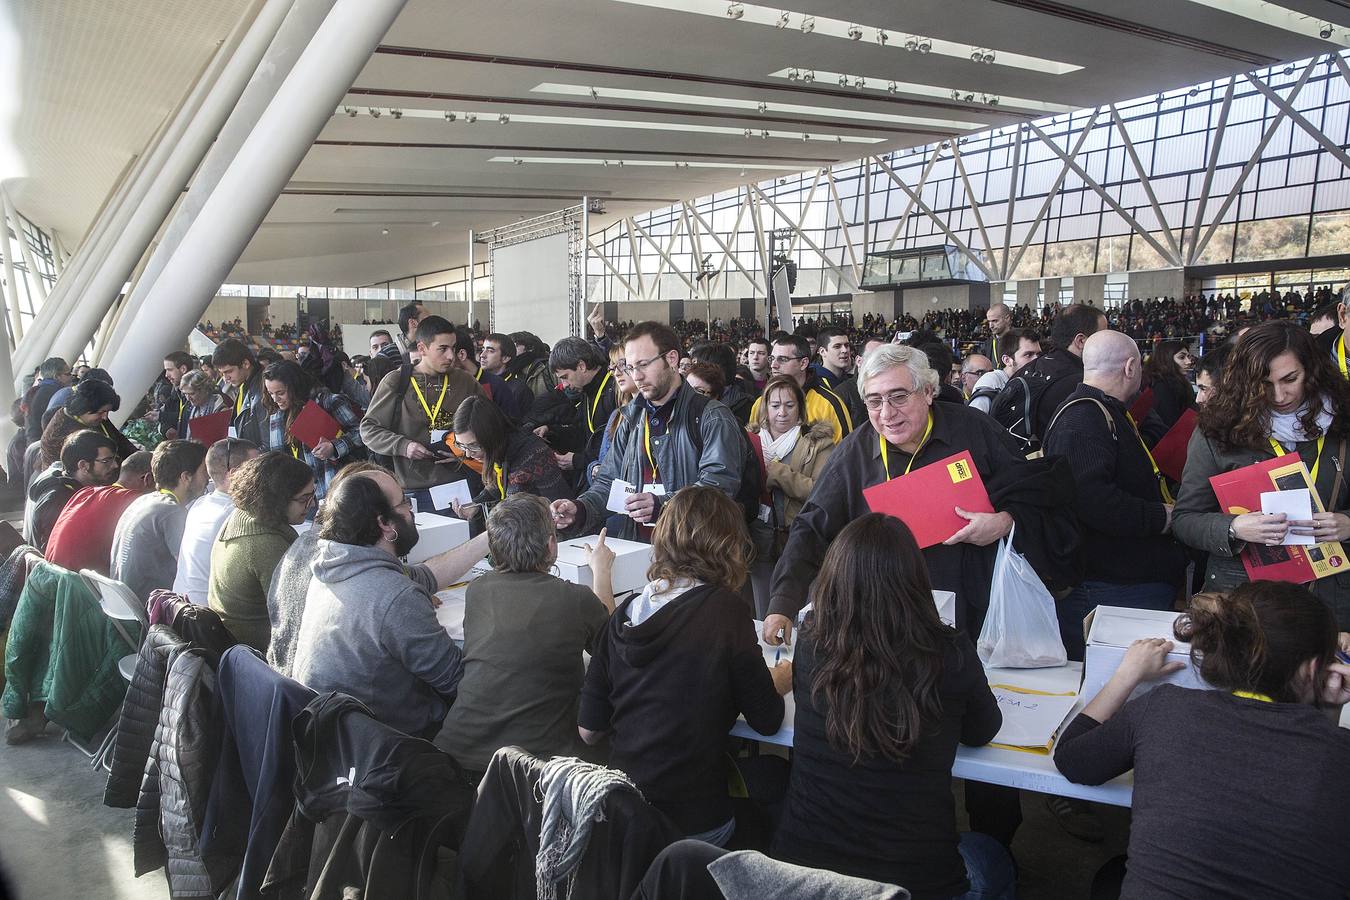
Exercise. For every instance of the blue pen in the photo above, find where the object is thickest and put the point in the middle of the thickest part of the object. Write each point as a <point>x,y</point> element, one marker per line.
<point>1343,657</point>
<point>777,653</point>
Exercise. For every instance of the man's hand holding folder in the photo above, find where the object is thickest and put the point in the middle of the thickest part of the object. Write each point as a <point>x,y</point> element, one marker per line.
<point>943,502</point>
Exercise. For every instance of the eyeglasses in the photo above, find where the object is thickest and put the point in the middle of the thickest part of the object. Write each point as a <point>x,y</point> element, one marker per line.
<point>895,400</point>
<point>304,499</point>
<point>975,373</point>
<point>639,365</point>
<point>784,359</point>
<point>702,390</point>
<point>469,447</point>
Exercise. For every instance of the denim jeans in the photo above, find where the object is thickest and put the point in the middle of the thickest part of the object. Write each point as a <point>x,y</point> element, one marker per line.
<point>989,866</point>
<point>1091,594</point>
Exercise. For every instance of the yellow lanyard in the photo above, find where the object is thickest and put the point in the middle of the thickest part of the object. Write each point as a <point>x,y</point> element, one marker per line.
<point>431,413</point>
<point>170,494</point>
<point>1340,355</point>
<point>1280,451</point>
<point>478,376</point>
<point>1157,473</point>
<point>1252,695</point>
<point>647,442</point>
<point>590,410</point>
<point>500,474</point>
<point>885,455</point>
<point>295,451</point>
<point>239,399</point>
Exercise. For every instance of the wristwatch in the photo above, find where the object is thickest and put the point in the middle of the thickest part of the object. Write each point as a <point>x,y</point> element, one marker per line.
<point>1232,534</point>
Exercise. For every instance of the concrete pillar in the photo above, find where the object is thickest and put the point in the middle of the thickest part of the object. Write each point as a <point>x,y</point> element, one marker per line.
<point>271,65</point>
<point>265,162</point>
<point>182,157</point>
<point>11,283</point>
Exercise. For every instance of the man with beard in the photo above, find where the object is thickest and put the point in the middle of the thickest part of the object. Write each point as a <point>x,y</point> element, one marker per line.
<point>369,630</point>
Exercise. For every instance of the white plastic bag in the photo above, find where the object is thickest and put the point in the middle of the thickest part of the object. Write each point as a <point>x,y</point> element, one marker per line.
<point>1021,630</point>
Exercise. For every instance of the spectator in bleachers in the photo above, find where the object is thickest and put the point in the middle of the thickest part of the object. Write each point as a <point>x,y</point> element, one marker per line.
<point>369,630</point>
<point>87,407</point>
<point>52,375</point>
<point>150,531</point>
<point>203,398</point>
<point>524,634</point>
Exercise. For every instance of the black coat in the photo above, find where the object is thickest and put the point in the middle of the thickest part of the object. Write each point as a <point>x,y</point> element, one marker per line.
<point>1040,495</point>
<point>372,806</point>
<point>140,716</point>
<point>498,852</point>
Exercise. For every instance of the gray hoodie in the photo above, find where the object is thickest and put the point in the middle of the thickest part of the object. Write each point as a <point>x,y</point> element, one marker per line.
<point>370,631</point>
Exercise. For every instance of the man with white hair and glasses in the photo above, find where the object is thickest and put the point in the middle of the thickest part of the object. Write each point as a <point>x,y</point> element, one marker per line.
<point>905,431</point>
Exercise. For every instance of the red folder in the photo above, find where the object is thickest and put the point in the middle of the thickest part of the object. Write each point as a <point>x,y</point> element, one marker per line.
<point>210,428</point>
<point>1142,404</point>
<point>314,425</point>
<point>1239,491</point>
<point>926,499</point>
<point>1170,453</point>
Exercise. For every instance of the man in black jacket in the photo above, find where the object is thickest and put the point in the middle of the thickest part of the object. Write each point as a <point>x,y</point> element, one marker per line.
<point>1062,364</point>
<point>240,369</point>
<point>582,369</point>
<point>53,374</point>
<point>1122,502</point>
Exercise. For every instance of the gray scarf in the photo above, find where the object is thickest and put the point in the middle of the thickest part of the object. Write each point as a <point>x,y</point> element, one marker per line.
<point>574,792</point>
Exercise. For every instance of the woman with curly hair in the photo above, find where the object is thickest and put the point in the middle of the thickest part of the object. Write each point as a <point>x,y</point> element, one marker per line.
<point>271,493</point>
<point>678,663</point>
<point>885,692</point>
<point>1277,395</point>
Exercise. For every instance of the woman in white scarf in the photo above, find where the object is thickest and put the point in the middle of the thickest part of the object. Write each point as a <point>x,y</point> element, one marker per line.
<point>1278,395</point>
<point>793,452</point>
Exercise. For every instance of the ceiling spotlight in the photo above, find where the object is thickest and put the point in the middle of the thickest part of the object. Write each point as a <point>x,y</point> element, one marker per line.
<point>793,74</point>
<point>843,81</point>
<point>882,36</point>
<point>925,45</point>
<point>503,119</point>
<point>384,231</point>
<point>1195,92</point>
<point>518,161</point>
<point>620,164</point>
<point>747,133</point>
<point>891,87</point>
<point>764,135</point>
<point>956,95</point>
<point>809,75</point>
<point>977,55</point>
<point>990,100</point>
<point>449,116</point>
<point>350,111</point>
<point>854,33</point>
<point>595,94</point>
<point>969,98</point>
<point>805,136</point>
<point>763,107</point>
<point>911,43</point>
<point>471,117</point>
<point>860,82</point>
<point>808,26</point>
<point>1325,32</point>
<point>782,20</point>
<point>1289,70</point>
<point>375,112</point>
<point>604,162</point>
<point>988,57</point>
<point>735,10</point>
<point>396,112</point>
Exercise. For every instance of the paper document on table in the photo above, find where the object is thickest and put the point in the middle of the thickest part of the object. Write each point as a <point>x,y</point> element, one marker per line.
<point>1296,505</point>
<point>442,494</point>
<point>1030,718</point>
<point>618,493</point>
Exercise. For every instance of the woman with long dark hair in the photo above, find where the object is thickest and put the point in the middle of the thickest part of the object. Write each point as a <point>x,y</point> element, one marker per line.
<point>1235,789</point>
<point>885,692</point>
<point>288,388</point>
<point>514,461</point>
<point>1277,395</point>
<point>1167,375</point>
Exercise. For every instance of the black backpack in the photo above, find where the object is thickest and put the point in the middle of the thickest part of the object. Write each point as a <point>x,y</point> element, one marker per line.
<point>1015,407</point>
<point>752,478</point>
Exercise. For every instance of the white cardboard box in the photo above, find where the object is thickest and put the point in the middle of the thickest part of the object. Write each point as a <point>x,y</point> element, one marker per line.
<point>1111,629</point>
<point>630,563</point>
<point>436,534</point>
<point>631,560</point>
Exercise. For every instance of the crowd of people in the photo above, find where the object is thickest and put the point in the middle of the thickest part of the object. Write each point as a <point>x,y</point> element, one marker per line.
<point>747,463</point>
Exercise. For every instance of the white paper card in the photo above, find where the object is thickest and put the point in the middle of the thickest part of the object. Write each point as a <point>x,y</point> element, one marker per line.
<point>438,435</point>
<point>1029,720</point>
<point>619,490</point>
<point>442,494</point>
<point>656,490</point>
<point>231,432</point>
<point>1296,504</point>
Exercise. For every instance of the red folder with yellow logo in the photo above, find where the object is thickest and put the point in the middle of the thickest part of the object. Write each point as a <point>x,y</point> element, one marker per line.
<point>926,499</point>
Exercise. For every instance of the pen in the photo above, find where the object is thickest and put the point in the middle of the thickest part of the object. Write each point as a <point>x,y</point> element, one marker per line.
<point>777,653</point>
<point>1343,657</point>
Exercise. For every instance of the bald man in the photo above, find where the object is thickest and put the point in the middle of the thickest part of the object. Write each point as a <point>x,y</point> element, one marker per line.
<point>999,319</point>
<point>1123,503</point>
